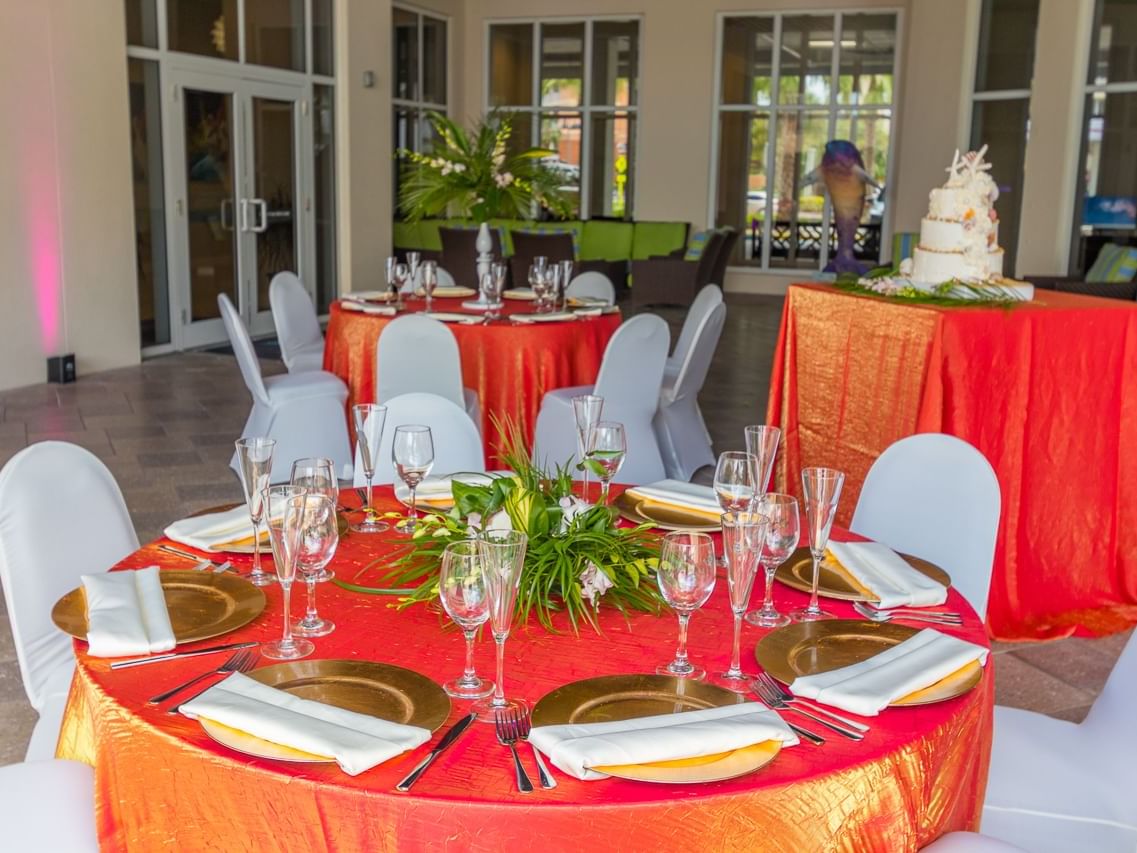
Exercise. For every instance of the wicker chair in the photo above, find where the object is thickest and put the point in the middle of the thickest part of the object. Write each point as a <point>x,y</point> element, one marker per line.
<point>460,254</point>
<point>718,272</point>
<point>672,279</point>
<point>527,245</point>
<point>1126,290</point>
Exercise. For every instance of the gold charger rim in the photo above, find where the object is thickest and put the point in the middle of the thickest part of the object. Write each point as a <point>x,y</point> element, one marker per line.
<point>732,765</point>
<point>785,574</point>
<point>629,507</point>
<point>559,705</point>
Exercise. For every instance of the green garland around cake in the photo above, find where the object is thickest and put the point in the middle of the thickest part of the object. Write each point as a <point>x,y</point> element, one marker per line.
<point>887,283</point>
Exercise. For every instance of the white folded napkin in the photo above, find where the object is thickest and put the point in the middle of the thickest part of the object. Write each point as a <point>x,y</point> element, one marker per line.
<point>554,317</point>
<point>867,687</point>
<point>365,308</point>
<point>370,295</point>
<point>212,531</point>
<point>575,748</point>
<point>523,293</point>
<point>676,493</point>
<point>357,742</point>
<point>126,614</point>
<point>889,576</point>
<point>447,317</point>
<point>596,311</point>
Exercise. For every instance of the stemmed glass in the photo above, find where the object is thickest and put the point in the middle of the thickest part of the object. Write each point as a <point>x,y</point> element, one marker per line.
<point>491,292</point>
<point>254,456</point>
<point>318,541</point>
<point>389,268</point>
<point>742,536</point>
<point>400,274</point>
<point>607,447</point>
<point>502,556</point>
<point>414,260</point>
<point>369,419</point>
<point>762,444</point>
<point>317,476</point>
<point>686,577</point>
<point>586,409</point>
<point>285,506</point>
<point>462,589</point>
<point>821,490</point>
<point>554,273</point>
<point>500,272</point>
<point>566,277</point>
<point>412,451</point>
<point>734,483</point>
<point>540,263</point>
<point>782,532</point>
<point>429,281</point>
<point>541,282</point>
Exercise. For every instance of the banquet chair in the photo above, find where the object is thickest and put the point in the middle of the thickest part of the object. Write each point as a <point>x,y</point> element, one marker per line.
<point>592,285</point>
<point>1058,786</point>
<point>418,353</point>
<point>297,326</point>
<point>705,302</point>
<point>48,806</point>
<point>40,485</point>
<point>678,424</point>
<point>936,497</point>
<point>969,842</point>
<point>630,379</point>
<point>304,412</point>
<point>457,443</point>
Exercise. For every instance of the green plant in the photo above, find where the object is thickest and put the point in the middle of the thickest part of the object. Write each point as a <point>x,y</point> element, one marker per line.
<point>886,283</point>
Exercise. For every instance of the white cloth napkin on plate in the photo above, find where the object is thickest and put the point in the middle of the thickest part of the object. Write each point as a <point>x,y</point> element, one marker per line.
<point>126,614</point>
<point>366,308</point>
<point>370,295</point>
<point>575,748</point>
<point>677,493</point>
<point>867,687</point>
<point>888,575</point>
<point>448,317</point>
<point>555,317</point>
<point>357,742</point>
<point>209,532</point>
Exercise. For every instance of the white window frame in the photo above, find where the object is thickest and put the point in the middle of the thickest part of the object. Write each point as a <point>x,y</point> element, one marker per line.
<point>420,105</point>
<point>586,110</point>
<point>833,109</point>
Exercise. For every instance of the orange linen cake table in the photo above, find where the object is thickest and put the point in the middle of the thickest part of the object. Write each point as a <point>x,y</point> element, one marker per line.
<point>161,783</point>
<point>1047,390</point>
<point>511,366</point>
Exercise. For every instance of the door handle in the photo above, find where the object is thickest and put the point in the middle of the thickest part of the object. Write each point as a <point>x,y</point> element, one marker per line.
<point>226,214</point>
<point>263,205</point>
<point>244,214</point>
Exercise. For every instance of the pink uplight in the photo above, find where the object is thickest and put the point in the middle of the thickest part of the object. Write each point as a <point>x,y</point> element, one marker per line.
<point>44,244</point>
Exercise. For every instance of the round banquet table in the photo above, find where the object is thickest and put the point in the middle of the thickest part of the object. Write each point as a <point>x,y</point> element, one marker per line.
<point>162,783</point>
<point>510,365</point>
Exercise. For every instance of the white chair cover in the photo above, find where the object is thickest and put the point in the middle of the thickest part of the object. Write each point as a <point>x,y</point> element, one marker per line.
<point>937,497</point>
<point>630,379</point>
<point>592,284</point>
<point>297,326</point>
<point>61,516</point>
<point>679,425</point>
<point>304,412</point>
<point>969,842</point>
<point>48,806</point>
<point>444,279</point>
<point>417,353</point>
<point>457,443</point>
<point>705,301</point>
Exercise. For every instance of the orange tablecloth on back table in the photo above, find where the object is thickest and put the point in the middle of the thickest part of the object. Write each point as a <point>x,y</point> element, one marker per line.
<point>161,783</point>
<point>1046,390</point>
<point>511,366</point>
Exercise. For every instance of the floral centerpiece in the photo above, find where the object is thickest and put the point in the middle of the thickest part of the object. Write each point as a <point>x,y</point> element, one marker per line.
<point>889,283</point>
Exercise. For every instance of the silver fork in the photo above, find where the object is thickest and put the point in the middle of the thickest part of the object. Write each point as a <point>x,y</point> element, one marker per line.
<point>507,736</point>
<point>523,723</point>
<point>885,616</point>
<point>202,562</point>
<point>775,701</point>
<point>768,680</point>
<point>231,665</point>
<point>243,666</point>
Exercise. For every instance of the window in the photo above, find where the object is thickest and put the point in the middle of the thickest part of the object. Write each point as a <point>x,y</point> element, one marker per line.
<point>418,78</point>
<point>1000,105</point>
<point>572,85</point>
<point>787,85</point>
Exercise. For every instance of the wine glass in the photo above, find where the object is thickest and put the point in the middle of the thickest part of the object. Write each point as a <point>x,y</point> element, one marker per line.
<point>743,534</point>
<point>586,409</point>
<point>462,589</point>
<point>566,277</point>
<point>400,275</point>
<point>319,538</point>
<point>686,577</point>
<point>821,490</point>
<point>607,447</point>
<point>429,281</point>
<point>254,456</point>
<point>412,451</point>
<point>414,260</point>
<point>783,530</point>
<point>734,481</point>
<point>369,419</point>
<point>541,282</point>
<point>502,557</point>
<point>317,475</point>
<point>541,263</point>
<point>285,507</point>
<point>554,273</point>
<point>491,292</point>
<point>389,269</point>
<point>500,272</point>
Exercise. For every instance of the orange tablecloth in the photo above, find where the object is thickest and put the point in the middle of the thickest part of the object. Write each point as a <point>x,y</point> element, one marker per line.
<point>510,366</point>
<point>162,784</point>
<point>1046,390</point>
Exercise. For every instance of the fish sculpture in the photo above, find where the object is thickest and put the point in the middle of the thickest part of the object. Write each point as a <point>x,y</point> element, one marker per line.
<point>842,173</point>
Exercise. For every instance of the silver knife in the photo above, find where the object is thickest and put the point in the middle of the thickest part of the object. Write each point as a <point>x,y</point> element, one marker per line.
<point>123,664</point>
<point>447,739</point>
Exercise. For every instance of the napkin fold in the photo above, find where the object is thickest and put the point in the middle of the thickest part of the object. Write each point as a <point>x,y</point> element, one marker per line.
<point>523,293</point>
<point>449,317</point>
<point>126,614</point>
<point>357,742</point>
<point>867,687</point>
<point>679,495</point>
<point>554,317</point>
<point>215,531</point>
<point>887,575</point>
<point>365,308</point>
<point>576,748</point>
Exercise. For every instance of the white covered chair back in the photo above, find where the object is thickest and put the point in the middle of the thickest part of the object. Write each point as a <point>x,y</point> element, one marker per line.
<point>242,345</point>
<point>48,806</point>
<point>935,496</point>
<point>417,353</point>
<point>594,285</point>
<point>457,443</point>
<point>297,325</point>
<point>1112,711</point>
<point>705,301</point>
<point>693,371</point>
<point>444,279</point>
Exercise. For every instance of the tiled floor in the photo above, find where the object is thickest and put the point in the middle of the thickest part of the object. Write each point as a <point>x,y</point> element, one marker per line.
<point>166,427</point>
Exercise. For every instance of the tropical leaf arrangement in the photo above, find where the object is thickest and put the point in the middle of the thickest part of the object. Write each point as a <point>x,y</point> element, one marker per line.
<point>474,173</point>
<point>886,282</point>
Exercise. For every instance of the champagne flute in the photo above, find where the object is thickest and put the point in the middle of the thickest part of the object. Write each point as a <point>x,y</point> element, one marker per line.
<point>742,536</point>
<point>429,281</point>
<point>762,444</point>
<point>317,475</point>
<point>783,530</point>
<point>502,557</point>
<point>607,447</point>
<point>554,273</point>
<point>414,261</point>
<point>462,589</point>
<point>319,538</point>
<point>389,269</point>
<point>369,419</point>
<point>500,272</point>
<point>285,506</point>
<point>566,278</point>
<point>686,578</point>
<point>412,451</point>
<point>821,490</point>
<point>540,262</point>
<point>254,456</point>
<point>586,409</point>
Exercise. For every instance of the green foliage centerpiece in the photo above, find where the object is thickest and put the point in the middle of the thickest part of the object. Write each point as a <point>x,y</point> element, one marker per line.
<point>888,283</point>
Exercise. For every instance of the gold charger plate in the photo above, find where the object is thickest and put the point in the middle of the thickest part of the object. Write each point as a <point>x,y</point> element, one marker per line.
<point>708,768</point>
<point>640,511</point>
<point>797,573</point>
<point>448,293</point>
<point>380,690</point>
<point>806,648</point>
<point>201,605</point>
<point>247,544</point>
<point>519,293</point>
